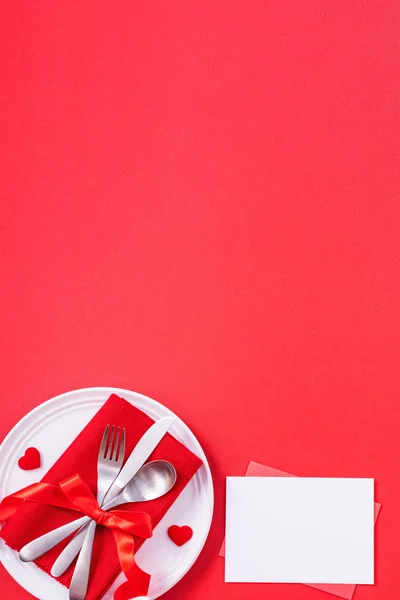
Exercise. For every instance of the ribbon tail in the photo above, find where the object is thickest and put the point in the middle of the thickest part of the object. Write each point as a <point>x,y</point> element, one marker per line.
<point>74,493</point>
<point>9,507</point>
<point>138,580</point>
<point>44,493</point>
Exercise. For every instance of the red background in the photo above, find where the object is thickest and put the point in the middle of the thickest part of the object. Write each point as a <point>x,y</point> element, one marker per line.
<point>201,203</point>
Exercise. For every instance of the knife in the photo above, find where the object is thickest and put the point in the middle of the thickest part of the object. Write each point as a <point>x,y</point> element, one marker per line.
<point>148,442</point>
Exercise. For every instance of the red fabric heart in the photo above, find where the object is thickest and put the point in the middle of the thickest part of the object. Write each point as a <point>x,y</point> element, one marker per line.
<point>180,535</point>
<point>30,460</point>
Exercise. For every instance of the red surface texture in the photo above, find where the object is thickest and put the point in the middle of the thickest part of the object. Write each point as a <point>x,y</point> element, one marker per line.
<point>200,201</point>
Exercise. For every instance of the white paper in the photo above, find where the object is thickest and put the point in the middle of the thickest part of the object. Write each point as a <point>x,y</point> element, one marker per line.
<point>299,530</point>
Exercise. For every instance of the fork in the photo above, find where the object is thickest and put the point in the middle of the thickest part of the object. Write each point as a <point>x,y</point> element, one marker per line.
<point>109,462</point>
<point>80,578</point>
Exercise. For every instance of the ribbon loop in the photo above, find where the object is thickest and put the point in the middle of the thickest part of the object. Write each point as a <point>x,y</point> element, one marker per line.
<point>74,493</point>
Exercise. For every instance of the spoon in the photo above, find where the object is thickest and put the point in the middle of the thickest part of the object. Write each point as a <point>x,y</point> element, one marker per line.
<point>153,480</point>
<point>156,479</point>
<point>152,484</point>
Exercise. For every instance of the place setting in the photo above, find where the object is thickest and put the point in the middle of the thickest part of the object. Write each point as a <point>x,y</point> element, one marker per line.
<point>106,494</point>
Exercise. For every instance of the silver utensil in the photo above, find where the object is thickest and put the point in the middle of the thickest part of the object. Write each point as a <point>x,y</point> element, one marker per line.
<point>152,481</point>
<point>141,452</point>
<point>109,462</point>
<point>148,442</point>
<point>139,455</point>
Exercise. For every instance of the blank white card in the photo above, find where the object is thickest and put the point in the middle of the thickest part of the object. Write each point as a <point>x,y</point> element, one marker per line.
<point>299,530</point>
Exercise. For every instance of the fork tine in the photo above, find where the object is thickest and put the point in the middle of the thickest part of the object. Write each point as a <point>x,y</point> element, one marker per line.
<point>121,453</point>
<point>103,445</point>
<point>107,455</point>
<point>116,445</point>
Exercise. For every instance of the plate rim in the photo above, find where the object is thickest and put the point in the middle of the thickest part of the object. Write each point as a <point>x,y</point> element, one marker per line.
<point>122,391</point>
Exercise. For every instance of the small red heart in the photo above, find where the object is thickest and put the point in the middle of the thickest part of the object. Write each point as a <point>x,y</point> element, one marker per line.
<point>180,535</point>
<point>30,460</point>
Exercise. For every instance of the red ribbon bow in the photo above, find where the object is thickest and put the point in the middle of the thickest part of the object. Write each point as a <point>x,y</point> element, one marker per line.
<point>74,493</point>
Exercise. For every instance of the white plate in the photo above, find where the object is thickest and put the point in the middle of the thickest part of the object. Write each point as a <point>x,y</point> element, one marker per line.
<point>51,427</point>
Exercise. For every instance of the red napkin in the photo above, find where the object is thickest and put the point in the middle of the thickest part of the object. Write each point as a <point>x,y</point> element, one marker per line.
<point>33,519</point>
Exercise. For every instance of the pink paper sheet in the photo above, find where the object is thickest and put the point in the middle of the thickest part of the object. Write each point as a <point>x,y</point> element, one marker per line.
<point>342,590</point>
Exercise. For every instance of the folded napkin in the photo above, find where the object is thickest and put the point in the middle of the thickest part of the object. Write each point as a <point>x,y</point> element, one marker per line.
<point>33,520</point>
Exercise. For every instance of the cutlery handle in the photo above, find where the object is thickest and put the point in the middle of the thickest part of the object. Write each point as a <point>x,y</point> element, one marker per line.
<point>45,542</point>
<point>69,553</point>
<point>80,578</point>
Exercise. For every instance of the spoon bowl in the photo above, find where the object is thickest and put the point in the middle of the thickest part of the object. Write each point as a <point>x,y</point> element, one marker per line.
<point>153,480</point>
